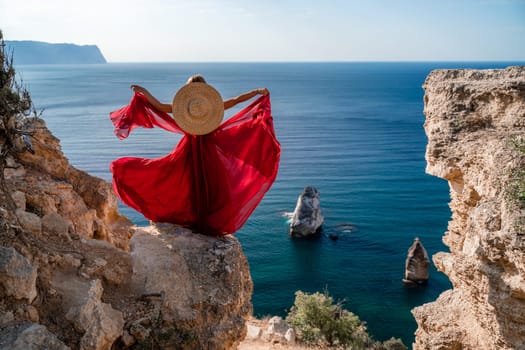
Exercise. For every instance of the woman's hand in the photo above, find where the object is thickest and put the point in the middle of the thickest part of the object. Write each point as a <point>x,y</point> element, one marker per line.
<point>263,91</point>
<point>163,107</point>
<point>139,89</point>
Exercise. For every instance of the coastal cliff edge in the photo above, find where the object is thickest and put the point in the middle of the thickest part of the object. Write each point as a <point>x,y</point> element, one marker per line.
<point>75,274</point>
<point>475,123</point>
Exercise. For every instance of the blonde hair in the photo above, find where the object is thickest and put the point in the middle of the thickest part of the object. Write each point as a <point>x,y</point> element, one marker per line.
<point>196,78</point>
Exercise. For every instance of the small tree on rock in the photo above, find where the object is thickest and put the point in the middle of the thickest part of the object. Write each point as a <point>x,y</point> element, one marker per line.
<point>15,107</point>
<point>321,322</point>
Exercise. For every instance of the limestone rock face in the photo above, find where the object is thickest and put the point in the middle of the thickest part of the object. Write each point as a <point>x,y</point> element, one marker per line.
<point>307,218</point>
<point>475,123</point>
<point>417,263</point>
<point>204,284</point>
<point>44,184</point>
<point>17,275</point>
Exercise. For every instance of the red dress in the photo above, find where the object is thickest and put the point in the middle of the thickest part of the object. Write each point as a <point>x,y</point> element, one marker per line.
<point>209,183</point>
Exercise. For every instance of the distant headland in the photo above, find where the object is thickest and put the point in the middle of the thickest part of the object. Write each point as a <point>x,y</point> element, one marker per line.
<point>38,52</point>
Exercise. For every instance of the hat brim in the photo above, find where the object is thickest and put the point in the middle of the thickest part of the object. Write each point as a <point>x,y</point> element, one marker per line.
<point>198,108</point>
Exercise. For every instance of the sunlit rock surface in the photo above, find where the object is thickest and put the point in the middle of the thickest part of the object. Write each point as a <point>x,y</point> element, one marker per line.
<point>475,123</point>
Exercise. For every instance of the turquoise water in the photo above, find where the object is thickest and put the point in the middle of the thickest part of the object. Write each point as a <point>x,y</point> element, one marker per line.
<point>353,130</point>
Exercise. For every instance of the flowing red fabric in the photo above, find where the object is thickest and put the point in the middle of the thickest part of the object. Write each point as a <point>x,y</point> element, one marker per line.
<point>210,183</point>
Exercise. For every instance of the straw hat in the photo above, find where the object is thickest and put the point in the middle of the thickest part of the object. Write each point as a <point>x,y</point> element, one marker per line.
<point>198,108</point>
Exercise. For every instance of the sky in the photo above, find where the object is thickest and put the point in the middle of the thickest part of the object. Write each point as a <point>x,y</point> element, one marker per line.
<point>276,30</point>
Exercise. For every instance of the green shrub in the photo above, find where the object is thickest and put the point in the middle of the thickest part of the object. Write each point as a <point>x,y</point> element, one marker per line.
<point>320,321</point>
<point>15,102</point>
<point>15,106</point>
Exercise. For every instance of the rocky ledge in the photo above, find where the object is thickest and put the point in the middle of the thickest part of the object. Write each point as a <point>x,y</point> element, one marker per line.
<point>74,274</point>
<point>475,123</point>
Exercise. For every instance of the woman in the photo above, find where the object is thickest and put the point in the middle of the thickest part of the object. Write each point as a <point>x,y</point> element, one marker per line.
<point>210,183</point>
<point>197,78</point>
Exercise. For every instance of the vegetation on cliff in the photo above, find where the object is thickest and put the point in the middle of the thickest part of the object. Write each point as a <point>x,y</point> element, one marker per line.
<point>319,321</point>
<point>15,105</point>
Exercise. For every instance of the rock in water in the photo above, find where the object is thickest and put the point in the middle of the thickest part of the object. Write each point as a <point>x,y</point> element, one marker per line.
<point>307,218</point>
<point>416,264</point>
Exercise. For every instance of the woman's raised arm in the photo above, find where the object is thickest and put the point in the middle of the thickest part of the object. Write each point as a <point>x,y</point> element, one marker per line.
<point>163,107</point>
<point>229,103</point>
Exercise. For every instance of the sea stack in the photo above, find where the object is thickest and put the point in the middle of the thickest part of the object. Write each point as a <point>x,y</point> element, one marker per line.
<point>307,219</point>
<point>416,264</point>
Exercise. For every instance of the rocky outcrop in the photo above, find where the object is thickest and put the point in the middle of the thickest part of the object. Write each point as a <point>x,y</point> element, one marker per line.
<point>307,219</point>
<point>70,277</point>
<point>99,323</point>
<point>203,284</point>
<point>416,264</point>
<point>54,198</point>
<point>475,123</point>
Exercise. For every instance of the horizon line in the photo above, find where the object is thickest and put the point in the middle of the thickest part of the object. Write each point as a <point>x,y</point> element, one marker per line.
<point>334,61</point>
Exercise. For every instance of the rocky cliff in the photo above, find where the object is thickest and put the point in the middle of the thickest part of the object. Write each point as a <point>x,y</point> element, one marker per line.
<point>76,274</point>
<point>475,123</point>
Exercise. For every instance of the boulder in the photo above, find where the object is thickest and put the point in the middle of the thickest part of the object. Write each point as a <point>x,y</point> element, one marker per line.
<point>100,323</point>
<point>276,325</point>
<point>416,264</point>
<point>13,169</point>
<point>307,219</point>
<point>253,332</point>
<point>55,224</point>
<point>28,336</point>
<point>290,336</point>
<point>278,331</point>
<point>17,275</point>
<point>19,198</point>
<point>29,221</point>
<point>203,284</point>
<point>6,317</point>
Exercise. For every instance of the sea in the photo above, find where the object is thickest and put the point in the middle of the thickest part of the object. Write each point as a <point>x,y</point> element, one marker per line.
<point>353,130</point>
